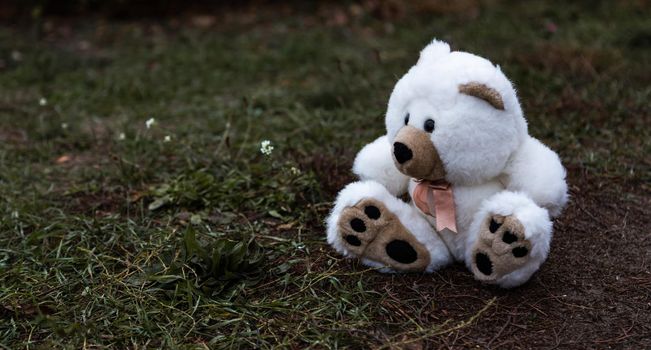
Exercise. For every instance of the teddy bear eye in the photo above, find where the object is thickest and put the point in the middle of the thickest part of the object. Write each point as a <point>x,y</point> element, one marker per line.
<point>429,125</point>
<point>407,119</point>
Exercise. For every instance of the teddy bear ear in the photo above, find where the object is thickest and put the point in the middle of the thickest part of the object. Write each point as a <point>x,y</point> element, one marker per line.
<point>432,52</point>
<point>483,92</point>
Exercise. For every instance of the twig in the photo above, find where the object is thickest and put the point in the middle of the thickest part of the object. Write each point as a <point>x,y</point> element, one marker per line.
<point>497,335</point>
<point>459,326</point>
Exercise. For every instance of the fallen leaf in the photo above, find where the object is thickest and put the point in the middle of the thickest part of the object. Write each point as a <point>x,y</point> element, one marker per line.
<point>203,21</point>
<point>286,226</point>
<point>63,159</point>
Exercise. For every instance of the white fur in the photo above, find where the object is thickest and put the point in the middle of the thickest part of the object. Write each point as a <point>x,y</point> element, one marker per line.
<point>495,167</point>
<point>536,170</point>
<point>467,200</point>
<point>374,162</point>
<point>432,52</point>
<point>410,218</point>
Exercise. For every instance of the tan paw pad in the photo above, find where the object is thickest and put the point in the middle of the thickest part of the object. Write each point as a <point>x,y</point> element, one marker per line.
<point>370,231</point>
<point>500,249</point>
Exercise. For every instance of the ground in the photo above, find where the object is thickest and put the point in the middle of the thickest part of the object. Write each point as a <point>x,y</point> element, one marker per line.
<point>137,209</point>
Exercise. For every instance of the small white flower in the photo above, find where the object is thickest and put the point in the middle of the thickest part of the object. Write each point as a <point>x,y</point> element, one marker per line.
<point>150,122</point>
<point>266,148</point>
<point>42,101</point>
<point>16,55</point>
<point>294,170</point>
<point>64,126</point>
<point>122,136</point>
<point>167,138</point>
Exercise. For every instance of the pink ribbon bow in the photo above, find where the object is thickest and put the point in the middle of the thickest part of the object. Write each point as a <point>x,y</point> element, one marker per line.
<point>435,198</point>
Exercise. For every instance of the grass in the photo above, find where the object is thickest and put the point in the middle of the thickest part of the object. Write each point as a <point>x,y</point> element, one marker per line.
<point>113,234</point>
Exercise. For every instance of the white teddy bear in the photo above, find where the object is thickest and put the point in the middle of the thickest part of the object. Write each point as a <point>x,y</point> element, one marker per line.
<point>482,190</point>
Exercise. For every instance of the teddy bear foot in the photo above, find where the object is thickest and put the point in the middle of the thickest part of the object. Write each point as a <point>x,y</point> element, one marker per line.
<point>374,234</point>
<point>501,248</point>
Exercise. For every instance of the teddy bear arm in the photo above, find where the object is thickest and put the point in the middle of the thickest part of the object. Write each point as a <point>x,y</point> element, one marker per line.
<point>374,162</point>
<point>537,171</point>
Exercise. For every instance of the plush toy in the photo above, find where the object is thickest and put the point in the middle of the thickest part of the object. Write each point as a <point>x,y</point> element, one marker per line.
<point>482,190</point>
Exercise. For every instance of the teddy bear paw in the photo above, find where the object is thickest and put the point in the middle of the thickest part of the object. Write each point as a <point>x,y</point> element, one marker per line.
<point>500,249</point>
<point>373,233</point>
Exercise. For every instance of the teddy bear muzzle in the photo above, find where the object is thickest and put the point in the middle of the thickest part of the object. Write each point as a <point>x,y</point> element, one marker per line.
<point>415,155</point>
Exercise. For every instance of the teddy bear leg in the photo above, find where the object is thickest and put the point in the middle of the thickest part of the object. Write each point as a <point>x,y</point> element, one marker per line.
<point>369,223</point>
<point>508,239</point>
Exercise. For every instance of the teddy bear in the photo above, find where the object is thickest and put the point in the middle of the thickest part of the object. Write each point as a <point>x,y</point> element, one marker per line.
<point>480,189</point>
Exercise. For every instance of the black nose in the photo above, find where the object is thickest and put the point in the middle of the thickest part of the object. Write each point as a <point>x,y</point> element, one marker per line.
<point>402,152</point>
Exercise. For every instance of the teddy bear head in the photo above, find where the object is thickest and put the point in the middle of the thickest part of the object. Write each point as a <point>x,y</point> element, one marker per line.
<point>454,116</point>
